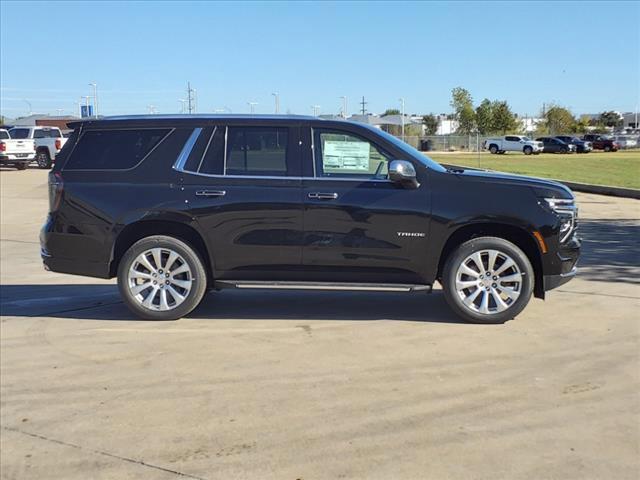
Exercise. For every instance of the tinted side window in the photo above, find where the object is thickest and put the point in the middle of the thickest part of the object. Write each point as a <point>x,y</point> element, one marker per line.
<point>113,149</point>
<point>512,139</point>
<point>41,134</point>
<point>346,155</point>
<point>257,151</point>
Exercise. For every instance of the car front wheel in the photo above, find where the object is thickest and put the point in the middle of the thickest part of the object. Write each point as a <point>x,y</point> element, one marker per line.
<point>528,150</point>
<point>161,278</point>
<point>488,280</point>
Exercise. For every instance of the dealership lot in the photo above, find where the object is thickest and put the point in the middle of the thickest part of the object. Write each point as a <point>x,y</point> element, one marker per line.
<point>318,385</point>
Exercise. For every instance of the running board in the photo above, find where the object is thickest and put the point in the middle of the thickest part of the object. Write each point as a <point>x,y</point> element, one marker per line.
<point>368,287</point>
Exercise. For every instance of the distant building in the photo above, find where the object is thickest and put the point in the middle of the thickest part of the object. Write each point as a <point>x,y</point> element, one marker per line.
<point>529,124</point>
<point>44,121</point>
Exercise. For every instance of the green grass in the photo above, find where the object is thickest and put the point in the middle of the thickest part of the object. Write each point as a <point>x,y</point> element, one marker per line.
<point>619,169</point>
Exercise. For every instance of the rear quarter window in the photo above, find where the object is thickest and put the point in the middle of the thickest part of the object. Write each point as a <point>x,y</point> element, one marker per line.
<point>113,149</point>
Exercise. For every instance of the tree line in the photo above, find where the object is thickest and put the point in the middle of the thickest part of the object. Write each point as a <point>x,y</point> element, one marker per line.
<point>496,117</point>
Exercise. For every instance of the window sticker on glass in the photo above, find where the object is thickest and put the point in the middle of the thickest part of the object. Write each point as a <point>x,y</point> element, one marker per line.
<point>337,155</point>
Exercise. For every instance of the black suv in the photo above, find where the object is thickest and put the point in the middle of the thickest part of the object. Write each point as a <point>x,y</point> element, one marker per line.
<point>178,205</point>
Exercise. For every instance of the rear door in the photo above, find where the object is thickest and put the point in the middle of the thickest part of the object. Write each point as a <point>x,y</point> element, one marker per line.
<point>358,225</point>
<point>242,183</point>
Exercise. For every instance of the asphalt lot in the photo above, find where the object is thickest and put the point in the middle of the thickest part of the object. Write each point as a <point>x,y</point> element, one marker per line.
<point>283,385</point>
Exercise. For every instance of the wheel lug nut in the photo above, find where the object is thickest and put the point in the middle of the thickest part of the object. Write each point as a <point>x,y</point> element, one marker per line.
<point>167,282</point>
<point>495,278</point>
<point>481,276</point>
<point>155,283</point>
<point>494,285</point>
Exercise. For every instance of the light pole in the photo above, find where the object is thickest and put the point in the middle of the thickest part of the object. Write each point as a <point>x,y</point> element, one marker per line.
<point>344,107</point>
<point>402,118</point>
<point>28,103</point>
<point>277,99</point>
<point>95,98</point>
<point>182,103</point>
<point>316,110</point>
<point>252,106</point>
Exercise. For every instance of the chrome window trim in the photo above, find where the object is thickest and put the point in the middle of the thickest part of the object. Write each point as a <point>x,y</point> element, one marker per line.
<point>272,177</point>
<point>207,148</point>
<point>313,151</point>
<point>224,161</point>
<point>186,150</point>
<point>171,130</point>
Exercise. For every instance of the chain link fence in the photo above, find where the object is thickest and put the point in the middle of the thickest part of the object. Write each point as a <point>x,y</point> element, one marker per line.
<point>448,143</point>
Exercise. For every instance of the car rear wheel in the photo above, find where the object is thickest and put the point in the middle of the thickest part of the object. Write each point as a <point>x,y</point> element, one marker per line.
<point>527,150</point>
<point>607,148</point>
<point>488,280</point>
<point>43,159</point>
<point>21,166</point>
<point>161,278</point>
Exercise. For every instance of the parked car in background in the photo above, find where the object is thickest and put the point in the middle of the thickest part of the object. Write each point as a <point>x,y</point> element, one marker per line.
<point>513,143</point>
<point>17,153</point>
<point>581,145</point>
<point>174,206</point>
<point>626,141</point>
<point>601,142</point>
<point>48,142</point>
<point>555,145</point>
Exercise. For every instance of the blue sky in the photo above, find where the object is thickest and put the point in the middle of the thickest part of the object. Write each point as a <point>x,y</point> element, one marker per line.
<point>582,55</point>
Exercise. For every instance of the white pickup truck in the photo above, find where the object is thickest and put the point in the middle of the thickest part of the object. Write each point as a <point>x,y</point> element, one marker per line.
<point>48,142</point>
<point>16,153</point>
<point>513,143</point>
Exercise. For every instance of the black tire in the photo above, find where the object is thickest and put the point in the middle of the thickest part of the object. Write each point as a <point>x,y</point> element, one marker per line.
<point>607,148</point>
<point>475,245</point>
<point>564,150</point>
<point>191,257</point>
<point>21,166</point>
<point>493,149</point>
<point>43,159</point>
<point>527,150</point>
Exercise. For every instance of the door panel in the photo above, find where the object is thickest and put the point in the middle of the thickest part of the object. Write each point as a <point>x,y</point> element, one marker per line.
<point>369,232</point>
<point>359,226</point>
<point>252,218</point>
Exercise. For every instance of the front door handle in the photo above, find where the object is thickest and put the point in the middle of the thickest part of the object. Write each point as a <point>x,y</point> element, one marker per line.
<point>211,193</point>
<point>323,196</point>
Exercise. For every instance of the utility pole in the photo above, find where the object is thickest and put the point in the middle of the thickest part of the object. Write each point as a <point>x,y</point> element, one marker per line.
<point>363,110</point>
<point>190,98</point>
<point>252,106</point>
<point>402,117</point>
<point>277,99</point>
<point>95,98</point>
<point>344,107</point>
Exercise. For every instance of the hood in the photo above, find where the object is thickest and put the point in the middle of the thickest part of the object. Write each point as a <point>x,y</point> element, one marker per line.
<point>541,186</point>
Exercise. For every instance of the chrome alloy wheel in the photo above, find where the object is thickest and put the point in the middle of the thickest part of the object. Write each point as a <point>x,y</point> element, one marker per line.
<point>488,282</point>
<point>160,279</point>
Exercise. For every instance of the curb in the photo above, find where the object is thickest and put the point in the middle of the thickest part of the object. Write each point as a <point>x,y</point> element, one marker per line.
<point>603,190</point>
<point>578,187</point>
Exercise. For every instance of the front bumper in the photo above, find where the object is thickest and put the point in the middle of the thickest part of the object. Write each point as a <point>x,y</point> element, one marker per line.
<point>554,281</point>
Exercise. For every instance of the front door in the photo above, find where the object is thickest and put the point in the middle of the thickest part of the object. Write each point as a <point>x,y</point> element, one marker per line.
<point>358,225</point>
<point>243,186</point>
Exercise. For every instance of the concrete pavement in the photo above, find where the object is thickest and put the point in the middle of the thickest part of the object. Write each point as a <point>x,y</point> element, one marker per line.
<point>289,385</point>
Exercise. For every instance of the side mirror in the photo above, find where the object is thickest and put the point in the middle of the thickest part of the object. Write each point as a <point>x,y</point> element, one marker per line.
<point>403,173</point>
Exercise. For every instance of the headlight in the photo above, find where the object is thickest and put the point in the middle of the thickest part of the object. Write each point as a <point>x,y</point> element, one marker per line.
<point>567,212</point>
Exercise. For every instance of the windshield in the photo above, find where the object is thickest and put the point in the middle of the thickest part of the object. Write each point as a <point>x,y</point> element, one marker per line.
<point>526,139</point>
<point>408,149</point>
<point>4,135</point>
<point>19,133</point>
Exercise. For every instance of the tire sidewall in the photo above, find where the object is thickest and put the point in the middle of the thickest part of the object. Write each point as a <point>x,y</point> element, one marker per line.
<point>44,155</point>
<point>528,150</point>
<point>487,243</point>
<point>190,255</point>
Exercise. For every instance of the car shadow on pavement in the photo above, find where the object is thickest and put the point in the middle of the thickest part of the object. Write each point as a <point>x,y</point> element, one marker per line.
<point>610,250</point>
<point>102,302</point>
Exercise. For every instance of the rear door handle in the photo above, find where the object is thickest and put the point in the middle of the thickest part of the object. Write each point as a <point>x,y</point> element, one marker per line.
<point>211,193</point>
<point>323,195</point>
